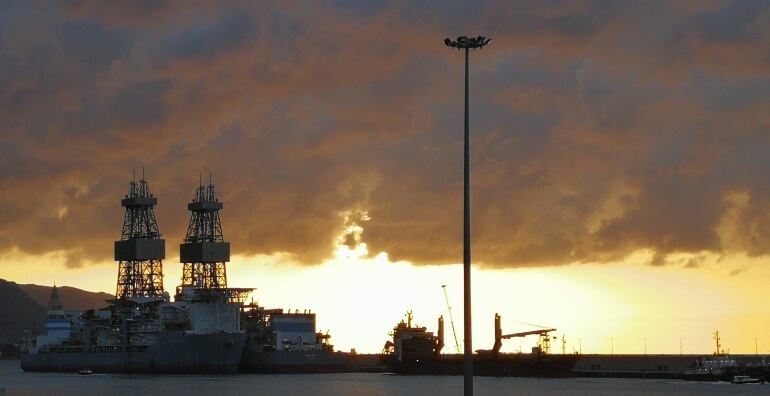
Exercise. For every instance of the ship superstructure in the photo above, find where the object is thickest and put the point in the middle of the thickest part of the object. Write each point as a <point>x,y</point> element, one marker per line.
<point>59,323</point>
<point>285,341</point>
<point>414,343</point>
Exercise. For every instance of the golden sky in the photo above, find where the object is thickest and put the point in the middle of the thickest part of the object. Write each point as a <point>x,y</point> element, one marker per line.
<point>599,308</point>
<point>620,157</point>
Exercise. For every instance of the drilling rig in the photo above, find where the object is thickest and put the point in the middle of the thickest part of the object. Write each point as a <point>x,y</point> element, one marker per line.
<point>204,252</point>
<point>140,250</point>
<point>142,331</point>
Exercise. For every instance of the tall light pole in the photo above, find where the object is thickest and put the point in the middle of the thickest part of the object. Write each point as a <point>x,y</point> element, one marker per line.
<point>467,44</point>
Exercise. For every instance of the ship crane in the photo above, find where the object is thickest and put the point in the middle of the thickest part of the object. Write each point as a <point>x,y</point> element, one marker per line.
<point>526,333</point>
<point>543,343</point>
<point>451,320</point>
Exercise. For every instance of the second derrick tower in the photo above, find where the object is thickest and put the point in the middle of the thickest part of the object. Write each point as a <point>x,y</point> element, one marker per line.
<point>204,252</point>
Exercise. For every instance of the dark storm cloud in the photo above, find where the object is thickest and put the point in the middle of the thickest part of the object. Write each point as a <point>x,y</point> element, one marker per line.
<point>141,103</point>
<point>212,40</point>
<point>600,128</point>
<point>92,43</point>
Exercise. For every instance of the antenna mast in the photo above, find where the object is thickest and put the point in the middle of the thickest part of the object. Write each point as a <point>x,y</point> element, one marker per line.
<point>718,340</point>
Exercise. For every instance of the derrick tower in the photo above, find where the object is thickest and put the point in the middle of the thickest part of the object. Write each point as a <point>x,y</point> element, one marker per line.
<point>140,250</point>
<point>204,251</point>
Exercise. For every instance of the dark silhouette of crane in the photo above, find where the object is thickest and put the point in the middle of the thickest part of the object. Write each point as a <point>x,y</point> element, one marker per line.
<point>451,320</point>
<point>543,343</point>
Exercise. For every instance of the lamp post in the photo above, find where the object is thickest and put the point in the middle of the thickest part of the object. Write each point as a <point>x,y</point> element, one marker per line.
<point>467,44</point>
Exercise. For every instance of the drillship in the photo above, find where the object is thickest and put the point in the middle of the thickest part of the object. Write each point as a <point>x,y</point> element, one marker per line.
<point>141,330</point>
<point>414,350</point>
<point>276,341</point>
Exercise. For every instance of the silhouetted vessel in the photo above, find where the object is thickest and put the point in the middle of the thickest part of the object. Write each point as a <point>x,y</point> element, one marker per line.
<point>723,367</point>
<point>154,336</point>
<point>416,351</point>
<point>141,330</point>
<point>287,342</point>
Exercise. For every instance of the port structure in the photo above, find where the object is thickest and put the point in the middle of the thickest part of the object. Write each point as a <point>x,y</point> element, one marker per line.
<point>467,43</point>
<point>204,252</point>
<point>140,250</point>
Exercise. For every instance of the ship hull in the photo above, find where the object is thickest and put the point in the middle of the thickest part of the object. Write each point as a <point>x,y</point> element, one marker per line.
<point>174,353</point>
<point>295,362</point>
<point>503,365</point>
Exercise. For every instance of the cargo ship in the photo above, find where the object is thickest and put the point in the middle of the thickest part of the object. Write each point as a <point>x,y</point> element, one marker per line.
<point>416,351</point>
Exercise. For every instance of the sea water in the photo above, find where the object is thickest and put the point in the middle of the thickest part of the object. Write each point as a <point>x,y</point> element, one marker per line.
<point>16,382</point>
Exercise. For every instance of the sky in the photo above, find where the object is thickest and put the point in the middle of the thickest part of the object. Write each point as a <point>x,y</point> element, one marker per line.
<point>620,158</point>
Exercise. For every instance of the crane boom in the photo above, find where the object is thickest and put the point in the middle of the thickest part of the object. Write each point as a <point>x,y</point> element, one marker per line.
<point>451,320</point>
<point>543,344</point>
<point>526,333</point>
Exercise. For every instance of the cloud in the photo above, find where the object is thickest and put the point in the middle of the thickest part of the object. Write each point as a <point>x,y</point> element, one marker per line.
<point>206,42</point>
<point>600,129</point>
<point>694,263</point>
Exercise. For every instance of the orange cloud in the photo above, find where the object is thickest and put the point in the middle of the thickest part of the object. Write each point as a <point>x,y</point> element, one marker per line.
<point>599,129</point>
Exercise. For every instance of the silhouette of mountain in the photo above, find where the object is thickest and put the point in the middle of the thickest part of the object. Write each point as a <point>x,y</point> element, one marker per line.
<point>23,307</point>
<point>18,312</point>
<point>72,298</point>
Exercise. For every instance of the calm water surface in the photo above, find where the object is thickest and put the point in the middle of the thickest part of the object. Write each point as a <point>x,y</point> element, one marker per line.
<point>17,382</point>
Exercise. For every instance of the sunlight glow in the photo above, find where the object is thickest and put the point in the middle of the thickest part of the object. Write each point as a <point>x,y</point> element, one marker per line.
<point>349,244</point>
<point>360,295</point>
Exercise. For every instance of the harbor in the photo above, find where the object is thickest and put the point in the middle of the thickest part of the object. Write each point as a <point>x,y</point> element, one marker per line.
<point>210,328</point>
<point>551,198</point>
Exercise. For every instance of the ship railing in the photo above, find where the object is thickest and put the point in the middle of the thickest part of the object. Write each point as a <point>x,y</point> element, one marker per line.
<point>119,348</point>
<point>60,349</point>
